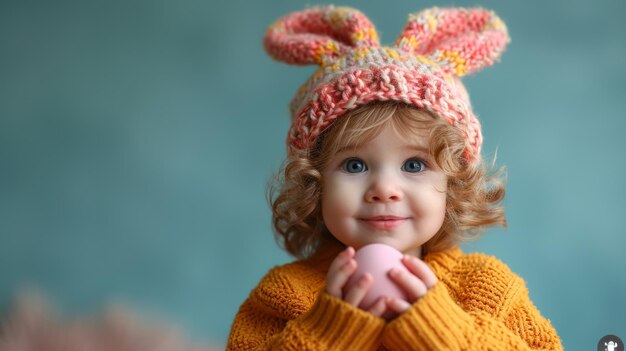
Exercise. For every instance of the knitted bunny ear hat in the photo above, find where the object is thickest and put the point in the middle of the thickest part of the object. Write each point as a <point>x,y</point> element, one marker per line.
<point>436,47</point>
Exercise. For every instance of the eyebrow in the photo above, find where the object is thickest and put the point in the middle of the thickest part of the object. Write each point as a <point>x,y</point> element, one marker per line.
<point>413,147</point>
<point>420,148</point>
<point>347,147</point>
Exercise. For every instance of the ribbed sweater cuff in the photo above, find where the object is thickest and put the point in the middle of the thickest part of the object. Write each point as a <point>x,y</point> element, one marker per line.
<point>435,322</point>
<point>341,326</point>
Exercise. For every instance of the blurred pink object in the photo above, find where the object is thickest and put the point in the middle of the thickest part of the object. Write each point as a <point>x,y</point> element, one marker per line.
<point>377,260</point>
<point>32,326</point>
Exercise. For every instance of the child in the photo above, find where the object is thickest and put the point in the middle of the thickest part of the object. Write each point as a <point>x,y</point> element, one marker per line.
<point>384,148</point>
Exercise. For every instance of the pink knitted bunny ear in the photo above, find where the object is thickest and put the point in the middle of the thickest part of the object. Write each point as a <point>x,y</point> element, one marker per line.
<point>462,41</point>
<point>318,35</point>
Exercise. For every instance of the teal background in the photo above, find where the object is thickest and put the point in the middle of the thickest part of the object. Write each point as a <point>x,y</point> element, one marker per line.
<point>136,139</point>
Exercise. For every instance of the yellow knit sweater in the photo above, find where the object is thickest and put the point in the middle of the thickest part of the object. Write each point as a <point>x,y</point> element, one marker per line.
<point>478,304</point>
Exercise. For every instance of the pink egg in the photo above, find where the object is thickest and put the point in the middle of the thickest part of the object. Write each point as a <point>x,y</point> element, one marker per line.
<point>377,260</point>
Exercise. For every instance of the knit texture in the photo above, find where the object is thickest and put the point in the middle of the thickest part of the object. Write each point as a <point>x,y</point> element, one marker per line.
<point>435,49</point>
<point>478,304</point>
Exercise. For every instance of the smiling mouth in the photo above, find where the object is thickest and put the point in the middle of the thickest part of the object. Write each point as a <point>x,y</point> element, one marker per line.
<point>384,222</point>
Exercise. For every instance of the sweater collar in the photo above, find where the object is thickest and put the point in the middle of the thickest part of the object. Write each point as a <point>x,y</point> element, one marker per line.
<point>442,262</point>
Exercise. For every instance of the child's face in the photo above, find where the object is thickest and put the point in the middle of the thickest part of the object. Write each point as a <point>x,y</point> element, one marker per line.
<point>384,191</point>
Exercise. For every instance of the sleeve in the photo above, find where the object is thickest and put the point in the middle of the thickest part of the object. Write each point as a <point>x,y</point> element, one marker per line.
<point>507,320</point>
<point>329,324</point>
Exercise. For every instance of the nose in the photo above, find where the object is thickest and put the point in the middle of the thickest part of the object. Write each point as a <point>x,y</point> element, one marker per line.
<point>383,188</point>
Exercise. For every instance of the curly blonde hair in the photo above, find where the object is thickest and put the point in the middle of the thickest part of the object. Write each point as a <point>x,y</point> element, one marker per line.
<point>474,193</point>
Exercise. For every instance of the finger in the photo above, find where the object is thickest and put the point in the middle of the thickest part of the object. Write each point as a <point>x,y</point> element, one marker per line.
<point>341,259</point>
<point>411,284</point>
<point>338,278</point>
<point>333,277</point>
<point>355,295</point>
<point>421,270</point>
<point>398,306</point>
<point>379,307</point>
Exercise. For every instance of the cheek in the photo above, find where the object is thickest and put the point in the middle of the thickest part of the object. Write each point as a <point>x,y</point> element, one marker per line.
<point>431,201</point>
<point>440,204</point>
<point>441,207</point>
<point>338,200</point>
<point>441,193</point>
<point>431,212</point>
<point>328,202</point>
<point>441,199</point>
<point>432,204</point>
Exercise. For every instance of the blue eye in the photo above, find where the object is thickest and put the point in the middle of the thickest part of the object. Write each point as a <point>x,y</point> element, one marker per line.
<point>413,166</point>
<point>354,165</point>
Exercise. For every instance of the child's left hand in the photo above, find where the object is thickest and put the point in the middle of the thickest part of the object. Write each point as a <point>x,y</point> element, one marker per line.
<point>415,283</point>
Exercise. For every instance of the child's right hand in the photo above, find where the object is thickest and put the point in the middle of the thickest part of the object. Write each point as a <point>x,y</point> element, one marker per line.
<point>340,271</point>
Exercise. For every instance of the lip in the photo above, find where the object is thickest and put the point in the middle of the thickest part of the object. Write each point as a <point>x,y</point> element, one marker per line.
<point>384,222</point>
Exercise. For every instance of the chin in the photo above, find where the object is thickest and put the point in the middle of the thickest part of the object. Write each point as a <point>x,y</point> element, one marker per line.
<point>386,241</point>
